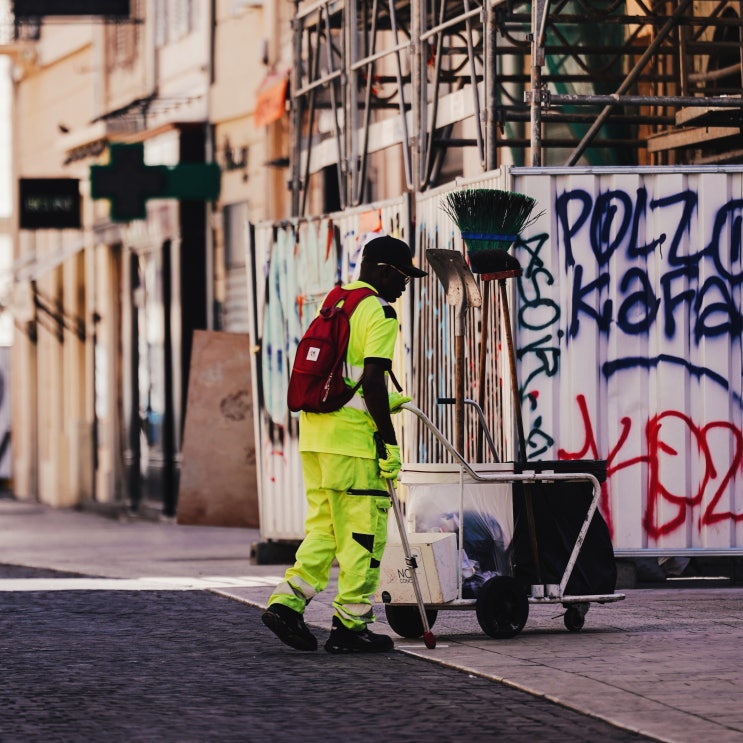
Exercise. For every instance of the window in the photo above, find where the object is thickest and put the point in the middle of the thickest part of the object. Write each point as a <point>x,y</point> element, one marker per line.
<point>122,39</point>
<point>174,19</point>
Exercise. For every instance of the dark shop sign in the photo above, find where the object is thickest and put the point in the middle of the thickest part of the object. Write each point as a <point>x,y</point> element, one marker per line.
<point>40,8</point>
<point>49,203</point>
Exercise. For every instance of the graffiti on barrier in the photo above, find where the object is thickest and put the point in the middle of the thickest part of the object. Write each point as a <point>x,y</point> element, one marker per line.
<point>630,306</point>
<point>715,466</point>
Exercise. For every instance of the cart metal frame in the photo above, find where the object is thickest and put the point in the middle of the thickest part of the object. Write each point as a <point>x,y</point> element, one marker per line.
<point>576,605</point>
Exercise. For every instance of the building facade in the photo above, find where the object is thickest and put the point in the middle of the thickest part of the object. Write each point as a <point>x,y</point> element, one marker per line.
<point>105,311</point>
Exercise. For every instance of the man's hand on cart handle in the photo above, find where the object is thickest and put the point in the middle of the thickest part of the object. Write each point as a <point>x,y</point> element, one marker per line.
<point>397,400</point>
<point>388,457</point>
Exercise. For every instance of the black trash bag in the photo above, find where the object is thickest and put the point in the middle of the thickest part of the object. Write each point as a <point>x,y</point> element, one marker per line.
<point>560,509</point>
<point>485,543</point>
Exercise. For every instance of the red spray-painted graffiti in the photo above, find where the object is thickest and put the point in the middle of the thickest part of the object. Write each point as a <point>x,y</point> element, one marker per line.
<point>717,448</point>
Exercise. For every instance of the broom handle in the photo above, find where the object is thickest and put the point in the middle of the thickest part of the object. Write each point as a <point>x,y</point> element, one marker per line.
<point>514,380</point>
<point>459,407</point>
<point>483,356</point>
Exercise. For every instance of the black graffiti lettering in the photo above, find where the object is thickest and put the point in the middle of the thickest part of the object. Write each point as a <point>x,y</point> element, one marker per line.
<point>726,253</point>
<point>579,305</point>
<point>570,228</point>
<point>683,226</point>
<point>642,299</point>
<point>670,300</point>
<point>633,249</point>
<point>538,442</point>
<point>715,318</point>
<point>536,311</point>
<point>533,246</point>
<point>548,357</point>
<point>607,220</point>
<point>538,314</point>
<point>638,310</point>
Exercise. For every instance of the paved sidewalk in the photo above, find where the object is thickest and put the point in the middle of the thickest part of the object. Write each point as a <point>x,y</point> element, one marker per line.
<point>667,663</point>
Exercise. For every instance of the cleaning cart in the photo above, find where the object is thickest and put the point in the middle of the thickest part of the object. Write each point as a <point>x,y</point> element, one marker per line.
<point>432,568</point>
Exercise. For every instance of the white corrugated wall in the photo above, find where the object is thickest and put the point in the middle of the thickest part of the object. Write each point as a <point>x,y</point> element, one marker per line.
<point>630,306</point>
<point>627,323</point>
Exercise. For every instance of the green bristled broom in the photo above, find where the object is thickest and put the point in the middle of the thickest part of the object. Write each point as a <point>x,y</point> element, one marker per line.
<point>489,220</point>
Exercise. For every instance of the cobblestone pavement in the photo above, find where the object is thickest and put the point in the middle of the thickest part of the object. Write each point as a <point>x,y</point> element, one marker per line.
<point>664,662</point>
<point>181,666</point>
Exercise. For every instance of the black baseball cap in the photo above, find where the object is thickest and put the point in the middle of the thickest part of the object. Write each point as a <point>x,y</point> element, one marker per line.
<point>393,252</point>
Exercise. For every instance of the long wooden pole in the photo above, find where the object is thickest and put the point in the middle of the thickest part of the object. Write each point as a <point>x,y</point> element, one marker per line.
<point>516,394</point>
<point>459,401</point>
<point>483,359</point>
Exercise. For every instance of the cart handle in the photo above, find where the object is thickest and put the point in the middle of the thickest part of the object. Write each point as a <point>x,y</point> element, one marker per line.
<point>481,415</point>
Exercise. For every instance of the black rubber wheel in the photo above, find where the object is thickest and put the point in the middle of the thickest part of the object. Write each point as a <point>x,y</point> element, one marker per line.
<point>574,619</point>
<point>502,607</point>
<point>406,620</point>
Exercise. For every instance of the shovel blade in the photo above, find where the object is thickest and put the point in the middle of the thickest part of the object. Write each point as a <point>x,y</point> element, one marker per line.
<point>455,276</point>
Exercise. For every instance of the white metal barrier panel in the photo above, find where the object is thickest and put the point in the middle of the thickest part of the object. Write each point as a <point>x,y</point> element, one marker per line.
<point>629,320</point>
<point>293,266</point>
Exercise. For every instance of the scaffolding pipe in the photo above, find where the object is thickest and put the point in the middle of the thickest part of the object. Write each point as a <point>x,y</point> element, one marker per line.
<point>670,24</point>
<point>538,22</point>
<point>491,100</point>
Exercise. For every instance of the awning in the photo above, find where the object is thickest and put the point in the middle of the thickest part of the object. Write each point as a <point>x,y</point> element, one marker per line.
<point>270,103</point>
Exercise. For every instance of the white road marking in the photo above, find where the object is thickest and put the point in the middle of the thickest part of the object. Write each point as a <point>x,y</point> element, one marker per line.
<point>155,583</point>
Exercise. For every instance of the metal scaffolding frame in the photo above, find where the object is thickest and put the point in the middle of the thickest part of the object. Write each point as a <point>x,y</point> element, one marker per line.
<point>621,82</point>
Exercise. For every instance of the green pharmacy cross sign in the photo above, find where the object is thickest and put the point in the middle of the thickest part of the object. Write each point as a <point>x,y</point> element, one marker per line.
<point>127,182</point>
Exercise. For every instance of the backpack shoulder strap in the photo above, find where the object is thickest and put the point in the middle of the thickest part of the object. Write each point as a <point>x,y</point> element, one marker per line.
<point>355,296</point>
<point>350,297</point>
<point>335,295</point>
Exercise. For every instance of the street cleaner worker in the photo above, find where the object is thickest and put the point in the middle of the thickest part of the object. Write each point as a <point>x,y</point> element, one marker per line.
<point>347,457</point>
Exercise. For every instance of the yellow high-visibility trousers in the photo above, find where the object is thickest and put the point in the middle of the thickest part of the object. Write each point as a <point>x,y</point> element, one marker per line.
<point>347,506</point>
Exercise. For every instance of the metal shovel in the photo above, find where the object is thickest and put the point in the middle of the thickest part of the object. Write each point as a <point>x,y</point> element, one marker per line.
<point>462,292</point>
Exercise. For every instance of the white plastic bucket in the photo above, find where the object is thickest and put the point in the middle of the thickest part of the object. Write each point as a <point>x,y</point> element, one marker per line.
<point>440,497</point>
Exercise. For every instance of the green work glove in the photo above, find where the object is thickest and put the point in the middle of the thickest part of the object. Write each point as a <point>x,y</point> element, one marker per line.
<point>397,400</point>
<point>389,465</point>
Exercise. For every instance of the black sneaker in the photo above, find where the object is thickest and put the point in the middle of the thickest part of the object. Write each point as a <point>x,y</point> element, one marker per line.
<point>289,627</point>
<point>344,640</point>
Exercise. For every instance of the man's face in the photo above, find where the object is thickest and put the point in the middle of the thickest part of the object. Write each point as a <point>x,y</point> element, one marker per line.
<point>392,283</point>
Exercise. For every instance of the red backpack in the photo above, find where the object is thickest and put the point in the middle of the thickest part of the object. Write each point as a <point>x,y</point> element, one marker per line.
<point>316,383</point>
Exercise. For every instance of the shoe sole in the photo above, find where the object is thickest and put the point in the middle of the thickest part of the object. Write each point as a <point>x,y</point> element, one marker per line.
<point>286,634</point>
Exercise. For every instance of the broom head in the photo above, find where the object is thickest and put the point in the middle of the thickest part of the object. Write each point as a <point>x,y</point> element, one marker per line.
<point>489,220</point>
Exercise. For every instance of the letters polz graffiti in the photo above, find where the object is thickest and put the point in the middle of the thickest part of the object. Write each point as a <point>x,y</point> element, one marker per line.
<point>716,466</point>
<point>700,280</point>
